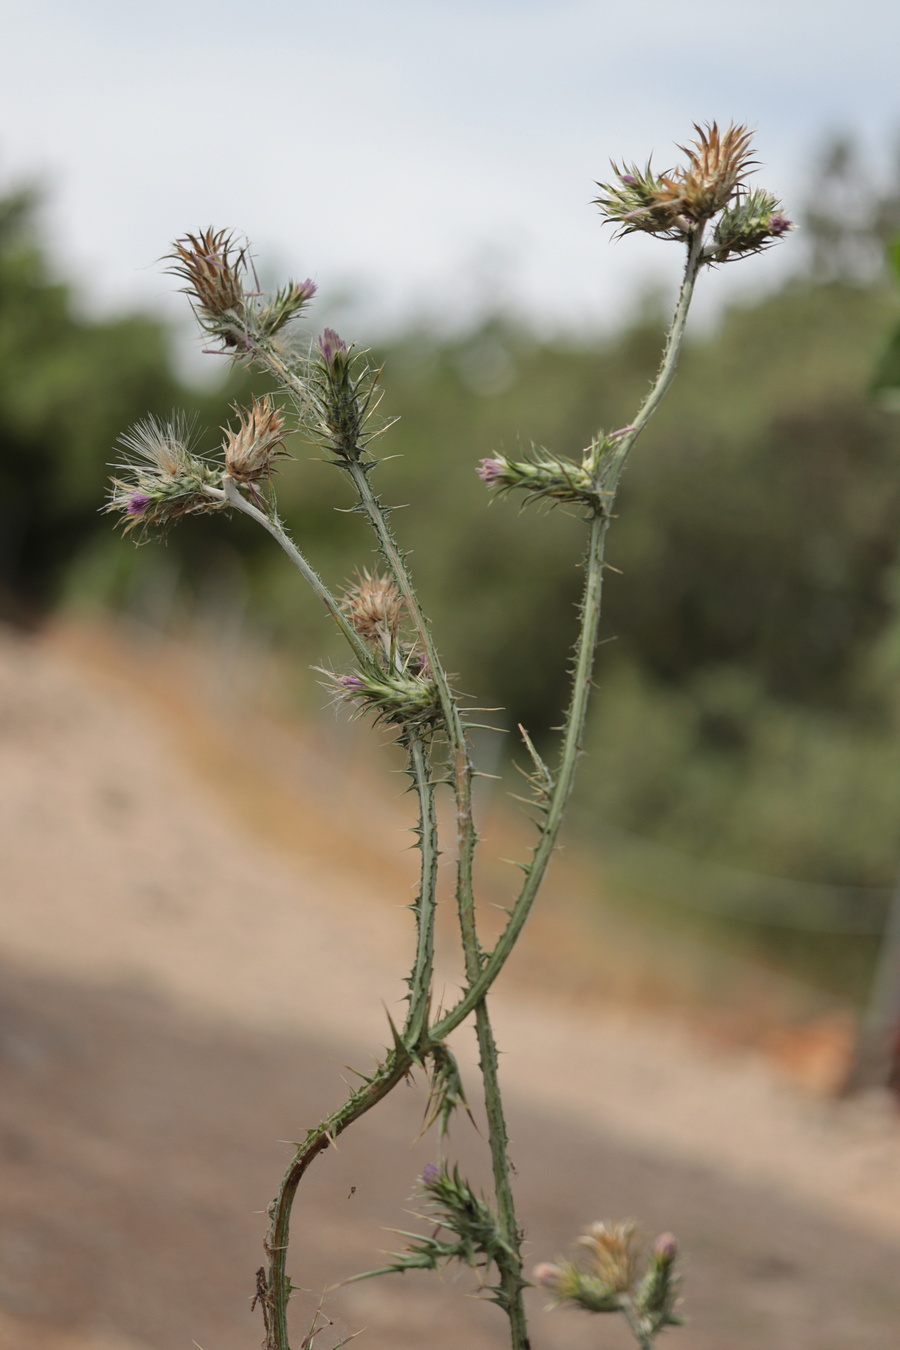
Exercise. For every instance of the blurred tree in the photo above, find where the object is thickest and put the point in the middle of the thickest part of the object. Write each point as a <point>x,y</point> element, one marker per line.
<point>68,387</point>
<point>849,218</point>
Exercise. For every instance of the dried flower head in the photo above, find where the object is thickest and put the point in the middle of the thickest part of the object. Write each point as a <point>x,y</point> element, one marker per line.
<point>257,441</point>
<point>616,1252</point>
<point>717,166</point>
<point>162,478</point>
<point>212,268</point>
<point>620,1275</point>
<point>674,203</point>
<point>374,607</point>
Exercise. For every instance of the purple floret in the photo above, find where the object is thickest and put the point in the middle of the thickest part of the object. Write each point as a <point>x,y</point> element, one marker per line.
<point>330,344</point>
<point>489,470</point>
<point>137,503</point>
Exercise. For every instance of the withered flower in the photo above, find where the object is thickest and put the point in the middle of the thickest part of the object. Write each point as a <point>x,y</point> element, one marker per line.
<point>258,440</point>
<point>212,266</point>
<point>616,1253</point>
<point>674,203</point>
<point>161,478</point>
<point>374,607</point>
<point>717,165</point>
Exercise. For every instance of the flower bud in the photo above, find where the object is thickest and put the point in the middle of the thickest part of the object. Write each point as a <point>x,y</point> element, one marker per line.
<point>548,1276</point>
<point>334,351</point>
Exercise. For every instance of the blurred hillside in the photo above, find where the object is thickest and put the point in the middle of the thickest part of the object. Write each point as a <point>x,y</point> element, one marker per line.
<point>748,713</point>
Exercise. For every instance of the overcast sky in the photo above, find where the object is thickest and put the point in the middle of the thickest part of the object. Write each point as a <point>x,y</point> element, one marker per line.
<point>433,157</point>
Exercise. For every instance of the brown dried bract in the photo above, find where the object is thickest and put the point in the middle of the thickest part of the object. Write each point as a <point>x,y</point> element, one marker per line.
<point>212,268</point>
<point>258,440</point>
<point>717,165</point>
<point>373,607</point>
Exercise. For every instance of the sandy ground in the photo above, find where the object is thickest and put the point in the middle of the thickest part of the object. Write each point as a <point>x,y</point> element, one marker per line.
<point>192,946</point>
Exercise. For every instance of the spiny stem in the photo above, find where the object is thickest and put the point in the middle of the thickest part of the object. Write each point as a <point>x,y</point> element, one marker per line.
<point>459,748</point>
<point>510,1267</point>
<point>275,528</point>
<point>509,1263</point>
<point>573,729</point>
<point>278,1290</point>
<point>420,980</point>
<point>398,1062</point>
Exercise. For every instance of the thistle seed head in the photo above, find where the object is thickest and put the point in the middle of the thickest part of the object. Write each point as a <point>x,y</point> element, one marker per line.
<point>374,608</point>
<point>717,166</point>
<point>675,203</point>
<point>616,1252</point>
<point>212,267</point>
<point>161,477</point>
<point>159,449</point>
<point>258,440</point>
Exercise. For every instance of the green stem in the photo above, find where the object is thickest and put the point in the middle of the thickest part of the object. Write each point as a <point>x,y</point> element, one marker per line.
<point>420,980</point>
<point>399,1060</point>
<point>392,1072</point>
<point>278,1286</point>
<point>510,1267</point>
<point>509,1263</point>
<point>459,748</point>
<point>573,730</point>
<point>275,528</point>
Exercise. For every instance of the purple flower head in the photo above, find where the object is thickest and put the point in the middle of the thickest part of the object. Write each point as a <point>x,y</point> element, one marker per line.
<point>665,1248</point>
<point>430,1174</point>
<point>331,346</point>
<point>779,225</point>
<point>351,682</point>
<point>137,503</point>
<point>628,179</point>
<point>305,289</point>
<point>489,470</point>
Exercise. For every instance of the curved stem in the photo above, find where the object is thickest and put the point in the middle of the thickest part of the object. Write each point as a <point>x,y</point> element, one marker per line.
<point>576,714</point>
<point>399,1061</point>
<point>278,1285</point>
<point>275,528</point>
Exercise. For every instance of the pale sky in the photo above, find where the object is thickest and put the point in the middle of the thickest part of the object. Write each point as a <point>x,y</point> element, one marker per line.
<point>431,158</point>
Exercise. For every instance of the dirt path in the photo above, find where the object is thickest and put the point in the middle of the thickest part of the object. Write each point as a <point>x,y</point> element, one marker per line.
<point>158,1034</point>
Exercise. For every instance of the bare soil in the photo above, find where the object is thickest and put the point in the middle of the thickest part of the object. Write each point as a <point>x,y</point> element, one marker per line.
<point>194,943</point>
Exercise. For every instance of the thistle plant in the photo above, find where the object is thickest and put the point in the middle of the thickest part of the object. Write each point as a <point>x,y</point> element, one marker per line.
<point>330,393</point>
